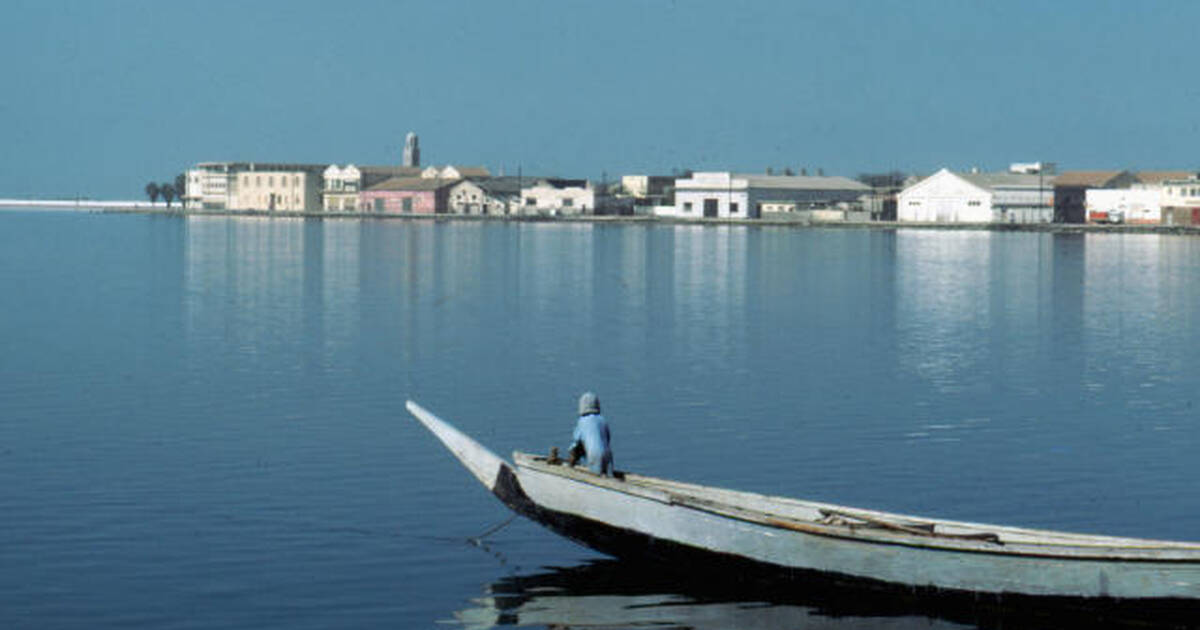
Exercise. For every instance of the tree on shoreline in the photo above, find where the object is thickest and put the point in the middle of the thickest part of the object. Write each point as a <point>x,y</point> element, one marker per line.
<point>152,191</point>
<point>167,191</point>
<point>180,187</point>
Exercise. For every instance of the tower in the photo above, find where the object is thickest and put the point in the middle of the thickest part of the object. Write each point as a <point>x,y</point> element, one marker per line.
<point>412,151</point>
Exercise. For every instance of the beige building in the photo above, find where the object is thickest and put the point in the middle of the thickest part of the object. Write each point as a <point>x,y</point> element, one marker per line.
<point>277,188</point>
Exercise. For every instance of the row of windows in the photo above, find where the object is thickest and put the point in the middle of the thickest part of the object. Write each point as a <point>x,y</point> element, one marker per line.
<point>1184,192</point>
<point>973,203</point>
<point>733,207</point>
<point>566,202</point>
<point>283,180</point>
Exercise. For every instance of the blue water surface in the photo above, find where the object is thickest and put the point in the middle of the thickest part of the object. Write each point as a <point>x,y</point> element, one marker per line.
<point>202,418</point>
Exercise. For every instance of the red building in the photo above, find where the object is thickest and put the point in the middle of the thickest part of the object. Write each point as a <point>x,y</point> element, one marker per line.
<point>407,195</point>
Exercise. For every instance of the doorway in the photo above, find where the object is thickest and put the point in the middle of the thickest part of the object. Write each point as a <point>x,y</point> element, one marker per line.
<point>710,208</point>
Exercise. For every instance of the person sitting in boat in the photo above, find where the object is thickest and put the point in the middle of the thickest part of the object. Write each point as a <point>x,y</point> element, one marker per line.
<point>591,440</point>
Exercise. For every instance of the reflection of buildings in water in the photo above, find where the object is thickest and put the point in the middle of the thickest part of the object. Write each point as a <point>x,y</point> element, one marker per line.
<point>943,284</point>
<point>252,281</point>
<point>710,288</point>
<point>964,296</point>
<point>1138,293</point>
<point>340,288</point>
<point>556,273</point>
<point>243,278</point>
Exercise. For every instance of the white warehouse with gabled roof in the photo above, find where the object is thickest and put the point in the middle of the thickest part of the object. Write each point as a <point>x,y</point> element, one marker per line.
<point>948,197</point>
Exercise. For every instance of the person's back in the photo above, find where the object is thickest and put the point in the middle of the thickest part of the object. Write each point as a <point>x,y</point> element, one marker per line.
<point>591,432</point>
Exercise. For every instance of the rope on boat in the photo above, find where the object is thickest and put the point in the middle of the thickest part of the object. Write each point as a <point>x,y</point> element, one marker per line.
<point>478,540</point>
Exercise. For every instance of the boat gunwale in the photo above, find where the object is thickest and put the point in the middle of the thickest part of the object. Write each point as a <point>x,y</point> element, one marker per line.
<point>1086,547</point>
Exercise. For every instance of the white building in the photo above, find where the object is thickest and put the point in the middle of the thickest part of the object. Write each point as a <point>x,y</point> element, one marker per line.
<point>947,197</point>
<point>1124,205</point>
<point>340,192</point>
<point>1180,200</point>
<point>207,186</point>
<point>551,195</point>
<point>494,196</point>
<point>728,196</point>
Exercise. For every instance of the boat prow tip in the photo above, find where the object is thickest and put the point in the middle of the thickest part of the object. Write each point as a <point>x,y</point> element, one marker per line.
<point>482,463</point>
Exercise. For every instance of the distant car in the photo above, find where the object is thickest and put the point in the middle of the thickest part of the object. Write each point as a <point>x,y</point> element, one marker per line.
<point>1116,216</point>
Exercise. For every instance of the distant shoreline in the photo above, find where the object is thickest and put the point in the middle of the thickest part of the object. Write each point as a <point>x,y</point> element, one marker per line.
<point>145,207</point>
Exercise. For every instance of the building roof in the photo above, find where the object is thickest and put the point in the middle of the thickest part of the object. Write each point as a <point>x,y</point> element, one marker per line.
<point>1087,179</point>
<point>268,167</point>
<point>501,185</point>
<point>1155,177</point>
<point>1009,180</point>
<point>556,182</point>
<point>391,171</point>
<point>473,171</point>
<point>413,184</point>
<point>803,182</point>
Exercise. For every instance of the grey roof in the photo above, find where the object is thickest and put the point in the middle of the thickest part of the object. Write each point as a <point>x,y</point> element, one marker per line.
<point>372,175</point>
<point>804,182</point>
<point>1008,180</point>
<point>501,185</point>
<point>414,184</point>
<point>268,167</point>
<point>1088,179</point>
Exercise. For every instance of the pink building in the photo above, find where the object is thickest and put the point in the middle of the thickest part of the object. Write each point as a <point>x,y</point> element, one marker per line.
<point>407,195</point>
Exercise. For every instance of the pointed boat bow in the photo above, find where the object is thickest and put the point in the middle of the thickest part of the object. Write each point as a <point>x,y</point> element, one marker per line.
<point>482,463</point>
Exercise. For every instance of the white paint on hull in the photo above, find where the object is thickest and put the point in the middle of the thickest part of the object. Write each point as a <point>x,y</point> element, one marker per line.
<point>482,463</point>
<point>865,544</point>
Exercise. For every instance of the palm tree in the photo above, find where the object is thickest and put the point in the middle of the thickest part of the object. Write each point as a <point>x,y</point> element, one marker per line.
<point>167,191</point>
<point>152,191</point>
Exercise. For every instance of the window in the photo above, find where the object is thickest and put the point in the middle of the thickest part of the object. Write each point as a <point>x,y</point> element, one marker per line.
<point>530,201</point>
<point>258,180</point>
<point>271,181</point>
<point>973,203</point>
<point>378,204</point>
<point>914,203</point>
<point>733,208</point>
<point>687,206</point>
<point>406,205</point>
<point>567,202</point>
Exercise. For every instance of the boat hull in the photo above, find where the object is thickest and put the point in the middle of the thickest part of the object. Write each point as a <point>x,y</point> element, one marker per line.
<point>745,536</point>
<point>625,526</point>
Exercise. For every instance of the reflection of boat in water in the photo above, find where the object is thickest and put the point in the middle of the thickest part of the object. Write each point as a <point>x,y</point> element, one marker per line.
<point>611,594</point>
<point>623,594</point>
<point>732,534</point>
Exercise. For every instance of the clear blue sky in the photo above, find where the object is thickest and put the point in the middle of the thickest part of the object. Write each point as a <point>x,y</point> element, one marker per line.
<point>101,96</point>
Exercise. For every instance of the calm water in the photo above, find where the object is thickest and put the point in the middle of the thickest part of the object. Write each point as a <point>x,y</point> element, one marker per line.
<point>202,424</point>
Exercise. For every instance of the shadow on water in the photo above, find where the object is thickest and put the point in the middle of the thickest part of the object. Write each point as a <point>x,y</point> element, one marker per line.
<point>615,594</point>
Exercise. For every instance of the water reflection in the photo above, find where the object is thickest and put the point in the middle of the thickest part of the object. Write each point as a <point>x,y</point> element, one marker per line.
<point>609,594</point>
<point>612,594</point>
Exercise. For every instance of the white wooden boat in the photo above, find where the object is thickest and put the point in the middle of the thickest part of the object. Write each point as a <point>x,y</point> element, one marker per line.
<point>641,517</point>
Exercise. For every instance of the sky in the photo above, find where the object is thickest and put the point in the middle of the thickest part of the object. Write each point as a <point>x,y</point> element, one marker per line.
<point>100,97</point>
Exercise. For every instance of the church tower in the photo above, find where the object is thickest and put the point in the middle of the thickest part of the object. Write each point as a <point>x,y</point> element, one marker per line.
<point>412,151</point>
